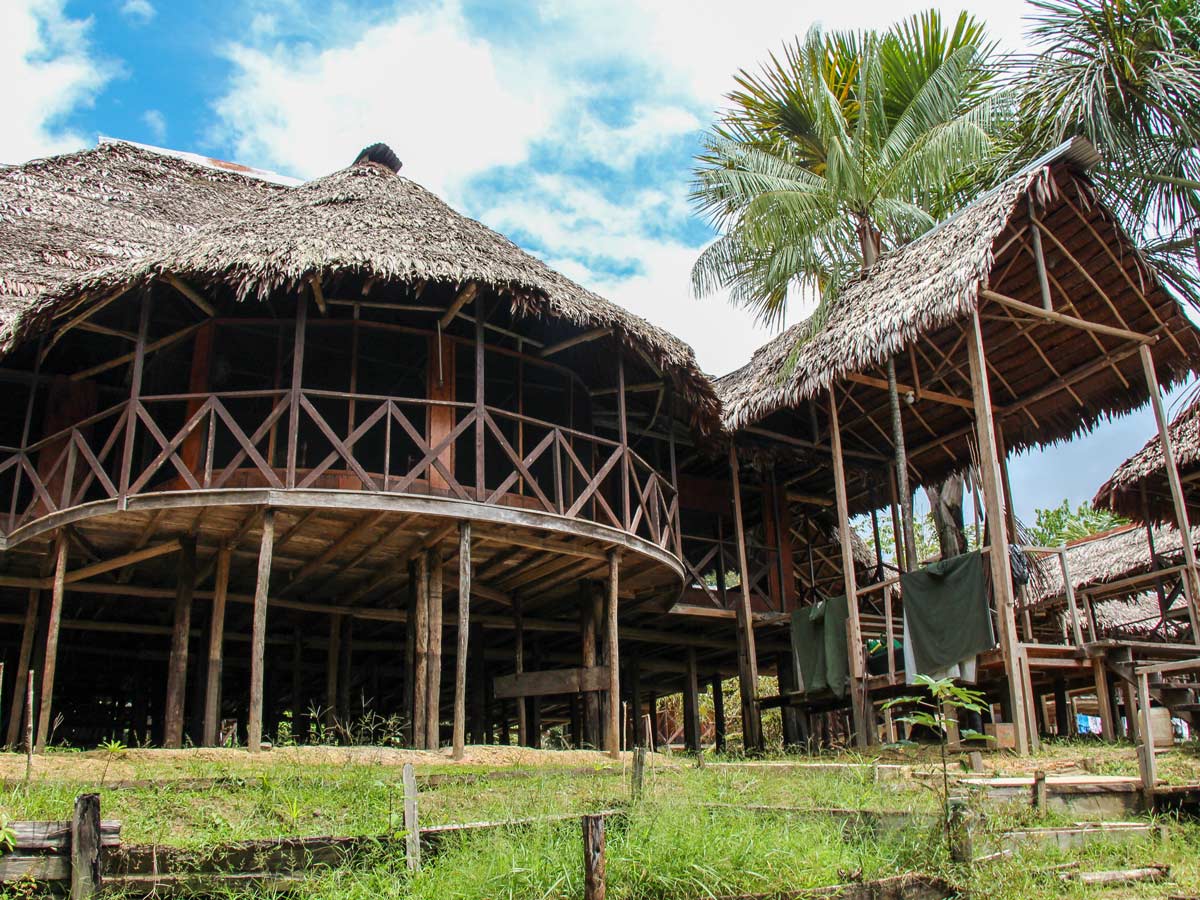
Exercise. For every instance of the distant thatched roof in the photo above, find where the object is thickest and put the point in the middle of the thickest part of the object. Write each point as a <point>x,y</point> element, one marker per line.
<point>1146,470</point>
<point>1108,557</point>
<point>365,221</point>
<point>920,293</point>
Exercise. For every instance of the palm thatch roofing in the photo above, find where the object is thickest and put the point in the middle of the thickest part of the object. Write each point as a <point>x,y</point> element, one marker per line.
<point>363,222</point>
<point>1145,471</point>
<point>1049,381</point>
<point>1108,557</point>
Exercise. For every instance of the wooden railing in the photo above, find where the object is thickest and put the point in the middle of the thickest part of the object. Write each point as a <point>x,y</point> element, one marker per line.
<point>325,439</point>
<point>707,559</point>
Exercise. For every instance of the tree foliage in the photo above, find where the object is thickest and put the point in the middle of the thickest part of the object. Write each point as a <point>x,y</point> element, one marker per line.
<point>1060,524</point>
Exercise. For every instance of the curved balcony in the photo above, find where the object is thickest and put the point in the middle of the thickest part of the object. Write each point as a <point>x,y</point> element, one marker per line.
<point>511,469</point>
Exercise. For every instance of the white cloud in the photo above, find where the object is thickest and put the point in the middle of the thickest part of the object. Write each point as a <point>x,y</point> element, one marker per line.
<point>140,12</point>
<point>447,102</point>
<point>156,122</point>
<point>49,70</point>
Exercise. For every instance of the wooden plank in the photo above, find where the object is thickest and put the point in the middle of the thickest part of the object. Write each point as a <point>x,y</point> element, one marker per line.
<point>56,836</point>
<point>549,682</point>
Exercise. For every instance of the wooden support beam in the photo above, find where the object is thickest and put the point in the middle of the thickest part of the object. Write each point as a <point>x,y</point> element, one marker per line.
<point>421,651</point>
<point>552,682</point>
<point>747,653</point>
<point>216,655</point>
<point>718,699</point>
<point>918,393</point>
<point>318,294</point>
<point>24,656</point>
<point>582,338</point>
<point>691,705</point>
<point>190,293</point>
<point>460,659</point>
<point>333,671</point>
<point>519,664</point>
<point>1050,315</point>
<point>258,640</point>
<point>125,559</point>
<point>131,356</point>
<point>1103,700</point>
<point>1002,586</point>
<point>465,296</point>
<point>185,582</point>
<point>433,681</point>
<point>612,736</point>
<point>50,657</point>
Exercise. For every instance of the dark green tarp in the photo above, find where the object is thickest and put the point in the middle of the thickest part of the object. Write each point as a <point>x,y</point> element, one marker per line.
<point>819,645</point>
<point>946,610</point>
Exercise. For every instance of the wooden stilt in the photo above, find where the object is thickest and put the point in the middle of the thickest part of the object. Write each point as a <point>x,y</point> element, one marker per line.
<point>635,704</point>
<point>789,717</point>
<point>460,659</point>
<point>410,652</point>
<point>333,669</point>
<point>862,731</point>
<point>519,654</point>
<point>50,657</point>
<point>258,639</point>
<point>612,733</point>
<point>1191,579</point>
<point>587,635</point>
<point>216,637</point>
<point>298,704</point>
<point>652,712</point>
<point>1002,586</point>
<point>1103,700</point>
<point>691,704</point>
<point>901,470</point>
<point>177,667</point>
<point>433,683</point>
<point>346,672</point>
<point>718,698</point>
<point>747,655</point>
<point>24,655</point>
<point>421,651</point>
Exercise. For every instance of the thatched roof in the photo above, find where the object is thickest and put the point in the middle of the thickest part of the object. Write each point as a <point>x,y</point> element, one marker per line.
<point>1146,470</point>
<point>1107,557</point>
<point>67,216</point>
<point>363,221</point>
<point>912,305</point>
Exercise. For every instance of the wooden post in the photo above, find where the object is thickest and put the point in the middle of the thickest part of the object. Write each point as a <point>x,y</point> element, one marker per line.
<point>1002,586</point>
<point>480,402</point>
<point>333,668</point>
<point>691,704</point>
<point>433,682</point>
<point>635,703</point>
<point>906,513</point>
<point>747,655</point>
<point>421,651</point>
<point>622,433</point>
<point>50,658</point>
<point>1103,700</point>
<point>863,732</point>
<point>612,733</point>
<point>24,655</point>
<point>32,676</point>
<point>652,731</point>
<point>1132,729</point>
<point>718,697</point>
<point>412,829</point>
<point>297,695</point>
<point>587,634</point>
<point>216,637</point>
<point>294,390</point>
<point>593,858</point>
<point>519,654</point>
<point>85,847</point>
<point>639,771</point>
<point>460,659</point>
<point>1069,589</point>
<point>258,638</point>
<point>410,654</point>
<point>1149,769</point>
<point>135,391</point>
<point>345,671</point>
<point>177,667</point>
<point>1191,578</point>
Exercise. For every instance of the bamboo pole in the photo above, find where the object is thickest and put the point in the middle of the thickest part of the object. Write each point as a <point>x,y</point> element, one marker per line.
<point>216,634</point>
<point>258,641</point>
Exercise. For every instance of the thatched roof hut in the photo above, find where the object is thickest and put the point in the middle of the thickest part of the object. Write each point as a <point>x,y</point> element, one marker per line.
<point>364,224</point>
<point>1145,472</point>
<point>1049,380</point>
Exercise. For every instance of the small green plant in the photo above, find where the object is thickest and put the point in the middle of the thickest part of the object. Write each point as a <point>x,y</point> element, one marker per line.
<point>112,747</point>
<point>8,835</point>
<point>930,711</point>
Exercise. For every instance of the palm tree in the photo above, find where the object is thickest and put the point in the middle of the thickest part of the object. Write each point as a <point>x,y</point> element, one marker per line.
<point>849,144</point>
<point>1126,75</point>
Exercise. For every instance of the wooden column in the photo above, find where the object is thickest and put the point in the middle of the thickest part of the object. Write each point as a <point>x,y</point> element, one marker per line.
<point>421,651</point>
<point>50,657</point>
<point>635,704</point>
<point>612,734</point>
<point>691,704</point>
<point>652,710</point>
<point>863,729</point>
<point>718,715</point>
<point>346,671</point>
<point>198,383</point>
<point>258,639</point>
<point>433,681</point>
<point>441,378</point>
<point>333,669</point>
<point>294,391</point>
<point>460,658</point>
<point>901,470</point>
<point>1104,700</point>
<point>480,412</point>
<point>216,638</point>
<point>587,636</point>
<point>519,660</point>
<point>1191,580</point>
<point>410,652</point>
<point>24,655</point>
<point>747,655</point>
<point>185,584</point>
<point>1002,586</point>
<point>788,714</point>
<point>623,434</point>
<point>135,391</point>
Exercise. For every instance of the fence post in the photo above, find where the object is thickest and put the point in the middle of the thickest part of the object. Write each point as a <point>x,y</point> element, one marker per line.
<point>593,858</point>
<point>639,771</point>
<point>85,847</point>
<point>412,836</point>
<point>1040,792</point>
<point>959,829</point>
<point>29,726</point>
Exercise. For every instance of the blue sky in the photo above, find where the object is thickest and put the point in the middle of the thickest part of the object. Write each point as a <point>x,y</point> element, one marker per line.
<point>569,126</point>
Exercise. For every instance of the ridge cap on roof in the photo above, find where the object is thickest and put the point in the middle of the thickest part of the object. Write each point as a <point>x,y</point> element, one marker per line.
<point>207,162</point>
